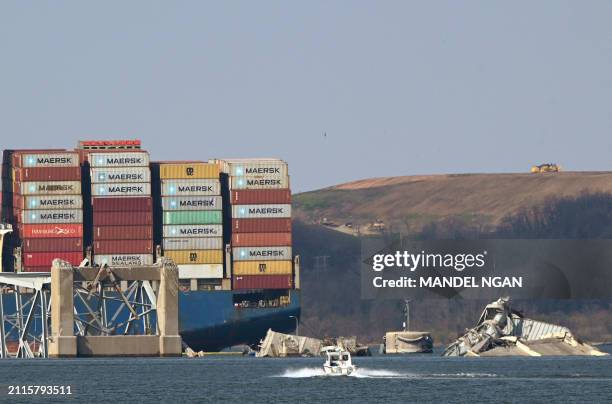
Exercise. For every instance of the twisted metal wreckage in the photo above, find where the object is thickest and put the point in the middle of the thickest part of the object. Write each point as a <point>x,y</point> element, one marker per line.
<point>502,331</point>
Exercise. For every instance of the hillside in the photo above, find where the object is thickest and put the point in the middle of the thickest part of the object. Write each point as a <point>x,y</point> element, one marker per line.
<point>576,206</point>
<point>408,203</point>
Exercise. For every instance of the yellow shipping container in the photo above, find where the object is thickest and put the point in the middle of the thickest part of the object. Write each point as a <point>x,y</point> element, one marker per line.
<point>262,267</point>
<point>188,171</point>
<point>195,256</point>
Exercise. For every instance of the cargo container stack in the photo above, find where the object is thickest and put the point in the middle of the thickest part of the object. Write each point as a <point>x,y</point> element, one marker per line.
<point>46,208</point>
<point>191,220</point>
<point>11,240</point>
<point>121,207</point>
<point>260,201</point>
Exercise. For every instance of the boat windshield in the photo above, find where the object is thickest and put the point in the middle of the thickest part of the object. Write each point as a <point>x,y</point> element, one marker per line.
<point>333,358</point>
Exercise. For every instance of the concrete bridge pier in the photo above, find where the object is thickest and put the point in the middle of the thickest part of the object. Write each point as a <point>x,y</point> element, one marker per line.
<point>167,311</point>
<point>63,342</point>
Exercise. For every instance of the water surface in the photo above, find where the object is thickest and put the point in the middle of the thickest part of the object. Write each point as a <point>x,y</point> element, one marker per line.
<point>424,378</point>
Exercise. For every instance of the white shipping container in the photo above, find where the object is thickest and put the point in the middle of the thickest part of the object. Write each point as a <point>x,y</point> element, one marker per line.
<point>262,168</point>
<point>52,216</point>
<point>190,187</point>
<point>123,189</point>
<point>262,253</point>
<point>120,159</point>
<point>192,203</point>
<point>258,183</point>
<point>120,174</point>
<point>193,230</point>
<point>51,188</point>
<point>53,202</point>
<point>122,260</point>
<point>193,243</point>
<point>261,211</point>
<point>50,160</point>
<point>200,271</point>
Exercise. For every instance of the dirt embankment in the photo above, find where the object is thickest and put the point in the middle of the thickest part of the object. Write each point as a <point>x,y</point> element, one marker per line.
<point>413,201</point>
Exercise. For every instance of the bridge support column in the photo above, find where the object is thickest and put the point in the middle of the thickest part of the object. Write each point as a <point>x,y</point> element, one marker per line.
<point>167,310</point>
<point>63,342</point>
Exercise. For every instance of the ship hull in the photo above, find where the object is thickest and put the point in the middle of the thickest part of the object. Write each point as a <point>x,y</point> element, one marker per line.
<point>209,321</point>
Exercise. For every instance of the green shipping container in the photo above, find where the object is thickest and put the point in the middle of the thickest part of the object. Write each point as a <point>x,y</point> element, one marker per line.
<point>193,217</point>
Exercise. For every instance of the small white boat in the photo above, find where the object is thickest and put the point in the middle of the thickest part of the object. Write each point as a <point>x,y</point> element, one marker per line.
<point>338,361</point>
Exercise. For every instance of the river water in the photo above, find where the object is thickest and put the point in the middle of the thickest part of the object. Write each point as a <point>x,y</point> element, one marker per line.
<point>417,378</point>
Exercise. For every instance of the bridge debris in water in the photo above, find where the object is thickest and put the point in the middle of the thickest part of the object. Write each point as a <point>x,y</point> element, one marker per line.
<point>502,331</point>
<point>406,341</point>
<point>276,344</point>
<point>401,342</point>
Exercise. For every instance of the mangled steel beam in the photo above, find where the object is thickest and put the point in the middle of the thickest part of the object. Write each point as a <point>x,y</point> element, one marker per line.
<point>350,344</point>
<point>502,331</point>
<point>276,344</point>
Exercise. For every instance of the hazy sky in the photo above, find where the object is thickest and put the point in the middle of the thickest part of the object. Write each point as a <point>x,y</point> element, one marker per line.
<point>400,88</point>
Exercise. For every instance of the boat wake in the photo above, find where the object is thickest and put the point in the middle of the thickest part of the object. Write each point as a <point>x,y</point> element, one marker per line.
<point>365,373</point>
<point>362,373</point>
<point>463,375</point>
<point>302,372</point>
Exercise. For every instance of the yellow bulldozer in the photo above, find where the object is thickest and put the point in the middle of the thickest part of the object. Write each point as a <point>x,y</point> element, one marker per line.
<point>546,168</point>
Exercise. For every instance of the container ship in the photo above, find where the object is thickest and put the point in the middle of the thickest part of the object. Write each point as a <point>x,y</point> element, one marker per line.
<point>226,223</point>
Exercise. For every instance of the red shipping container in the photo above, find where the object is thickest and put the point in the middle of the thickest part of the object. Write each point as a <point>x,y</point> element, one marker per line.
<point>52,244</point>
<point>48,174</point>
<point>261,225</point>
<point>105,144</point>
<point>50,230</point>
<point>37,269</point>
<point>122,204</point>
<point>104,247</point>
<point>261,239</point>
<point>40,259</point>
<point>263,282</point>
<point>260,196</point>
<point>123,233</point>
<point>122,218</point>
